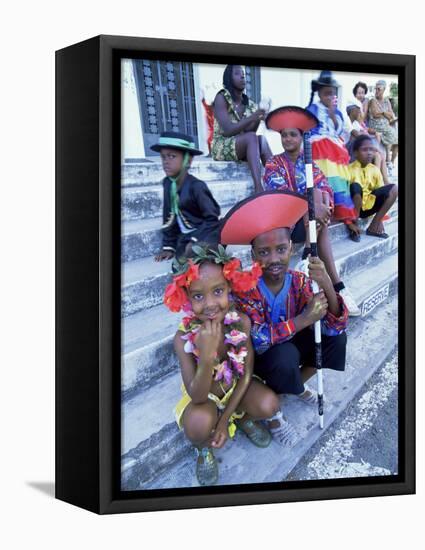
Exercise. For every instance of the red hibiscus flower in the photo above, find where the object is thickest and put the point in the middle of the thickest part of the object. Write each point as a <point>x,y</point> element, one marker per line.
<point>256,271</point>
<point>230,268</point>
<point>243,281</point>
<point>175,297</point>
<point>192,274</point>
<point>180,280</point>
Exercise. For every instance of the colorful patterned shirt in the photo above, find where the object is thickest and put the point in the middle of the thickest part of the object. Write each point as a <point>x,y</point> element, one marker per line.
<point>283,174</point>
<point>272,316</point>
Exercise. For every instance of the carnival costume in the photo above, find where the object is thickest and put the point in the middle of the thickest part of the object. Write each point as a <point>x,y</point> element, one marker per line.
<point>279,348</point>
<point>329,151</point>
<point>190,212</point>
<point>226,372</point>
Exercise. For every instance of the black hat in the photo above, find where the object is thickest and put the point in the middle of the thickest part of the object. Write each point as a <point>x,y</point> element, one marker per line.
<point>175,140</point>
<point>325,79</point>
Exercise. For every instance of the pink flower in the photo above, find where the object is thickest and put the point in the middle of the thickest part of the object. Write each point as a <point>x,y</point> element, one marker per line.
<point>187,308</point>
<point>231,317</point>
<point>224,371</point>
<point>239,368</point>
<point>189,346</point>
<point>238,356</point>
<point>235,337</point>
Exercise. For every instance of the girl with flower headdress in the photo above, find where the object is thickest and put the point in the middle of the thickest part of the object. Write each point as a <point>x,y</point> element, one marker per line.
<point>216,357</point>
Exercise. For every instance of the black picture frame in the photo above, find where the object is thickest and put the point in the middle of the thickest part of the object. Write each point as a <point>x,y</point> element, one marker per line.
<point>88,275</point>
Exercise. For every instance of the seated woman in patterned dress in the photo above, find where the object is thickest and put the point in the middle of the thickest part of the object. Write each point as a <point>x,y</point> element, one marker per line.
<point>236,120</point>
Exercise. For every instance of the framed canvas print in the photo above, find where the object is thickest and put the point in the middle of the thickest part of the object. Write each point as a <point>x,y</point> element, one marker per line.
<point>235,274</point>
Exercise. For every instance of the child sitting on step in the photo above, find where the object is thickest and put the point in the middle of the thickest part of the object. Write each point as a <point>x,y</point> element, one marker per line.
<point>190,212</point>
<point>216,359</point>
<point>369,194</point>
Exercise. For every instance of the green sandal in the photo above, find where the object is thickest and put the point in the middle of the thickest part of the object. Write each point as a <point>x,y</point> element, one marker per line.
<point>255,432</point>
<point>206,466</point>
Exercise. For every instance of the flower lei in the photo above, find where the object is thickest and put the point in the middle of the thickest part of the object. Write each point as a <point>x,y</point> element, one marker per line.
<point>235,339</point>
<point>186,271</point>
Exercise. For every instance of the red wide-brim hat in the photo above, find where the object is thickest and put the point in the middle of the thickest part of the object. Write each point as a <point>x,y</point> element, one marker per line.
<point>261,213</point>
<point>291,117</point>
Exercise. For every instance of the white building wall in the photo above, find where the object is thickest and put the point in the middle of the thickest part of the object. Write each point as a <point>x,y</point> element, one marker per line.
<point>131,129</point>
<point>208,81</point>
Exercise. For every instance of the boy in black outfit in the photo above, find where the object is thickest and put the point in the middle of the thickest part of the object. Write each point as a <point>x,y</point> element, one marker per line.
<point>190,212</point>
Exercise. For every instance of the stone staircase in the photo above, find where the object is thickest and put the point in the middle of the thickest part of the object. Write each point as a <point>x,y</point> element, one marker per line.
<point>155,453</point>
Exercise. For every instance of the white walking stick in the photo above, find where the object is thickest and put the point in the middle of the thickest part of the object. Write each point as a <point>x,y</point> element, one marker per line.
<point>313,244</point>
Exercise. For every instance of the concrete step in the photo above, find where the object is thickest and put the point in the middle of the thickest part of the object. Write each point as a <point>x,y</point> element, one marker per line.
<point>146,202</point>
<point>144,281</point>
<point>147,349</point>
<point>160,457</point>
<point>204,168</point>
<point>143,238</point>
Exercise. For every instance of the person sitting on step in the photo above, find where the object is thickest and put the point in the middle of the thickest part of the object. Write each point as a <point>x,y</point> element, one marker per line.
<point>216,359</point>
<point>282,307</point>
<point>358,127</point>
<point>369,194</point>
<point>236,122</point>
<point>287,171</point>
<point>190,212</point>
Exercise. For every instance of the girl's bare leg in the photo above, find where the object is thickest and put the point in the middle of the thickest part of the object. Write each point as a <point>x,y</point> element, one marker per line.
<point>265,151</point>
<point>247,148</point>
<point>259,402</point>
<point>199,421</point>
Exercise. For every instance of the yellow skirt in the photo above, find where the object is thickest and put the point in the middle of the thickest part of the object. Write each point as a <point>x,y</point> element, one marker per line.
<point>221,403</point>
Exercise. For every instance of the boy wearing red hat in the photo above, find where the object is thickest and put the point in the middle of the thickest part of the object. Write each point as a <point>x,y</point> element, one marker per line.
<point>282,308</point>
<point>287,171</point>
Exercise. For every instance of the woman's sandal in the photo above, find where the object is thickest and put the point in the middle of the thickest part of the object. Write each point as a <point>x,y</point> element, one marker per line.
<point>382,235</point>
<point>206,466</point>
<point>284,434</point>
<point>255,432</point>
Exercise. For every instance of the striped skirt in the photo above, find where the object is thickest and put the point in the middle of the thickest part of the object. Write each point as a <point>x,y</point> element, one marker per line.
<point>333,160</point>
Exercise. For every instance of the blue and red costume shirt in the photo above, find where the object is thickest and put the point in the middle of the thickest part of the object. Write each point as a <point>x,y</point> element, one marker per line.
<point>272,316</point>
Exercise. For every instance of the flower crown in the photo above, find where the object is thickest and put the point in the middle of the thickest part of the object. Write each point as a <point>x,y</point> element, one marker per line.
<point>187,270</point>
